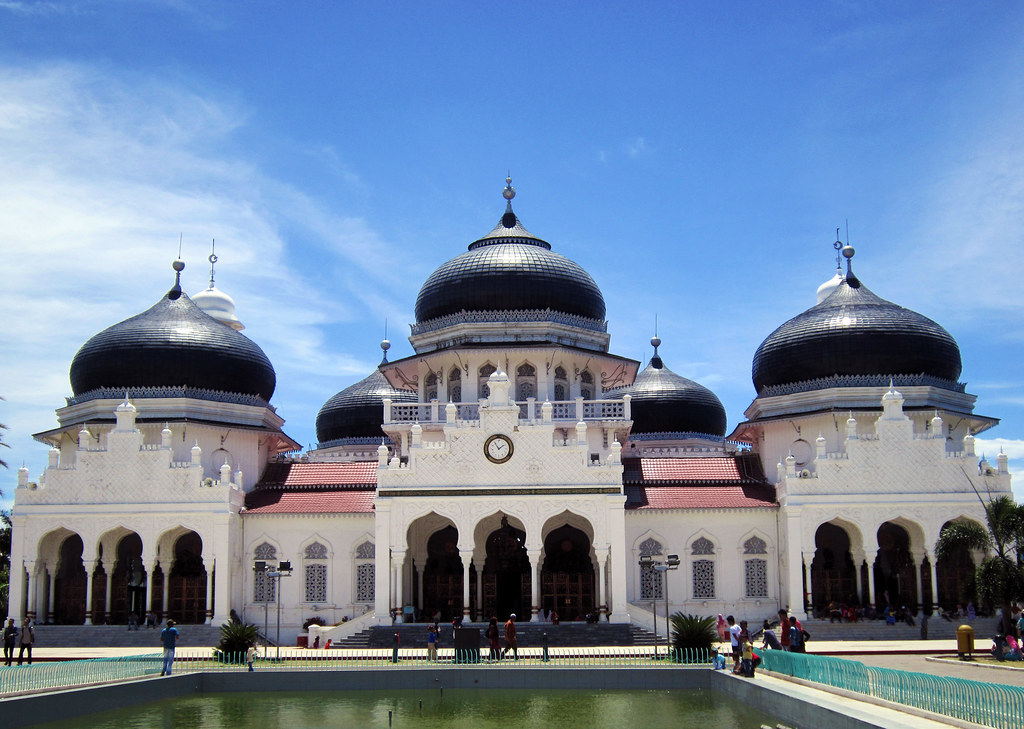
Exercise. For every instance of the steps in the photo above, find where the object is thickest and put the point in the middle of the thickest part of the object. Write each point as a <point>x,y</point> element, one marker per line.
<point>878,630</point>
<point>118,636</point>
<point>574,635</point>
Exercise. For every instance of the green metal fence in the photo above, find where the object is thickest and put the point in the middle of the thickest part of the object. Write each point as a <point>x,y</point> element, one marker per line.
<point>43,676</point>
<point>994,705</point>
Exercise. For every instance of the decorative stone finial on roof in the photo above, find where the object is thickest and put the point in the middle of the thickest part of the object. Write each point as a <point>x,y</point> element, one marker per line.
<point>175,292</point>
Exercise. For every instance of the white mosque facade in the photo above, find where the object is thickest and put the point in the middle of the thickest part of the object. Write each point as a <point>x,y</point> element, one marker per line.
<point>511,465</point>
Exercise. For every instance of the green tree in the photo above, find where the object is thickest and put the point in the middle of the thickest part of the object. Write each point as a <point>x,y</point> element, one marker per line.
<point>1000,576</point>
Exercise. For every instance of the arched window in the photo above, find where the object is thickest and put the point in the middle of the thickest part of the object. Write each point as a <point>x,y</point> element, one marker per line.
<point>430,387</point>
<point>315,557</point>
<point>526,382</point>
<point>651,580</point>
<point>561,384</point>
<point>755,568</point>
<point>486,371</point>
<point>455,385</point>
<point>586,385</point>
<point>703,569</point>
<point>263,586</point>
<point>366,575</point>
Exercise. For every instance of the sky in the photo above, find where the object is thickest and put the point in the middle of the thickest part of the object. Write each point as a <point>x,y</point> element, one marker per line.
<point>696,158</point>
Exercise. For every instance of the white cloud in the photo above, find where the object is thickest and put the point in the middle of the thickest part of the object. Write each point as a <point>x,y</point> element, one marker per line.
<point>101,172</point>
<point>637,147</point>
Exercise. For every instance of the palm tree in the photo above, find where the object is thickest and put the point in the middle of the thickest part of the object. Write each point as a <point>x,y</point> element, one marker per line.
<point>1000,575</point>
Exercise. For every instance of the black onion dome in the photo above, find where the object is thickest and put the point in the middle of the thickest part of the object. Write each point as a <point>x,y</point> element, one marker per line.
<point>664,402</point>
<point>855,332</point>
<point>509,269</point>
<point>358,410</point>
<point>173,344</point>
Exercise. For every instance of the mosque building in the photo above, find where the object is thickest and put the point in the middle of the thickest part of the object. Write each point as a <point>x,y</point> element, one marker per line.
<point>512,464</point>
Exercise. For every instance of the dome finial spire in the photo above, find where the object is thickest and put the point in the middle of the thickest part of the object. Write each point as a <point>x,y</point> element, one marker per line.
<point>848,251</point>
<point>175,292</point>
<point>656,362</point>
<point>385,345</point>
<point>508,220</point>
<point>212,258</point>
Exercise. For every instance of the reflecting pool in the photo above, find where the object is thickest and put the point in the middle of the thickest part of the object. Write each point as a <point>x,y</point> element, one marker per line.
<point>452,709</point>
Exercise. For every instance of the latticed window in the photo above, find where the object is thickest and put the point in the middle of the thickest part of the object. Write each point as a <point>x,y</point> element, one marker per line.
<point>703,545</point>
<point>366,582</point>
<point>756,577</point>
<point>703,579</point>
<point>587,385</point>
<point>652,582</point>
<point>263,586</point>
<point>455,385</point>
<point>755,545</point>
<point>366,574</point>
<point>430,384</point>
<point>316,582</point>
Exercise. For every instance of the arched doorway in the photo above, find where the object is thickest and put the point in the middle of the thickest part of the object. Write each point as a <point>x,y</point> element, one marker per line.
<point>833,575</point>
<point>507,581</point>
<point>128,581</point>
<point>895,574</point>
<point>187,599</point>
<point>955,573</point>
<point>69,583</point>
<point>567,576</point>
<point>442,575</point>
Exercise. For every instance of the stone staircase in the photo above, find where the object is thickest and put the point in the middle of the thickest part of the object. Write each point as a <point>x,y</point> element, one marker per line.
<point>118,636</point>
<point>569,635</point>
<point>867,630</point>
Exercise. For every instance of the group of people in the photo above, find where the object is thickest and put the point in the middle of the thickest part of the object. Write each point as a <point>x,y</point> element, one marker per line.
<point>792,637</point>
<point>25,637</point>
<point>493,635</point>
<point>1008,642</point>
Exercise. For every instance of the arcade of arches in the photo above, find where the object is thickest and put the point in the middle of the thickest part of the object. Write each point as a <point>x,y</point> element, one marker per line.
<point>899,572</point>
<point>503,575</point>
<point>70,587</point>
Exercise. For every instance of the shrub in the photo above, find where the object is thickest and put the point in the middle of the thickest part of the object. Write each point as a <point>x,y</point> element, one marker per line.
<point>315,620</point>
<point>693,632</point>
<point>236,638</point>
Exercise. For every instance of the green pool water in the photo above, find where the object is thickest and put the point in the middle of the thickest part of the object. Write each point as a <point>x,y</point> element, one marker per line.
<point>457,709</point>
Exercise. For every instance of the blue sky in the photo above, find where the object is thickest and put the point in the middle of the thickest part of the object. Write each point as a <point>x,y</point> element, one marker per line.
<point>695,158</point>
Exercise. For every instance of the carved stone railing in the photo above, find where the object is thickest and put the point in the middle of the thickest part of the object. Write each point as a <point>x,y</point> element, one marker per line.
<point>529,411</point>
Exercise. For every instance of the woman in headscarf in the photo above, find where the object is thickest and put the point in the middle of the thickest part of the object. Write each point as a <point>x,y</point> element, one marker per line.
<point>723,629</point>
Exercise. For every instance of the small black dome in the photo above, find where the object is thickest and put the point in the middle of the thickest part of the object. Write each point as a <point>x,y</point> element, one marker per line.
<point>357,411</point>
<point>855,332</point>
<point>664,402</point>
<point>509,269</point>
<point>173,344</point>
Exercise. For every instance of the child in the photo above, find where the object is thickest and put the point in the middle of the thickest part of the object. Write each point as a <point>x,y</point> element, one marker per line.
<point>717,660</point>
<point>747,662</point>
<point>250,656</point>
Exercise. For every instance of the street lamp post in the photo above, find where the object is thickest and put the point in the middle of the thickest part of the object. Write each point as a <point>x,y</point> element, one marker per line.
<point>284,569</point>
<point>671,563</point>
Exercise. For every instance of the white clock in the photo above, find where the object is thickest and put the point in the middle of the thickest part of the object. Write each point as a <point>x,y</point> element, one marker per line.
<point>498,448</point>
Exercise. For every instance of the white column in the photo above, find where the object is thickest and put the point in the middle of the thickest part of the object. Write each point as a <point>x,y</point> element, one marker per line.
<point>102,619</point>
<point>480,594</point>
<point>467,557</point>
<point>602,594</point>
<point>534,555</point>
<point>165,575</point>
<point>30,587</point>
<point>869,557</point>
<point>51,573</point>
<point>227,529</point>
<point>617,574</point>
<point>16,590</point>
<point>210,570</point>
<point>794,582</point>
<point>150,565</point>
<point>382,562</point>
<point>398,559</point>
<point>935,582</point>
<point>89,567</point>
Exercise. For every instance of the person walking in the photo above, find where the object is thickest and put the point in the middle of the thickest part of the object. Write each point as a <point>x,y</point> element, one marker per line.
<point>250,657</point>
<point>10,636</point>
<point>432,642</point>
<point>28,637</point>
<point>169,638</point>
<point>494,640</point>
<point>510,637</point>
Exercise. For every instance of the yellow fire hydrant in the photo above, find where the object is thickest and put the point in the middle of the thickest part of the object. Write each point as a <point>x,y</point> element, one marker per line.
<point>965,642</point>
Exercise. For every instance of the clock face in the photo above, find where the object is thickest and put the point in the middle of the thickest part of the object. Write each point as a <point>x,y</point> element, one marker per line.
<point>498,448</point>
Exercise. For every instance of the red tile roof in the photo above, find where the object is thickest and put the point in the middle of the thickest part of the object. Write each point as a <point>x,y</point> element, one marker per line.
<point>298,474</point>
<point>319,501</point>
<point>739,469</point>
<point>744,496</point>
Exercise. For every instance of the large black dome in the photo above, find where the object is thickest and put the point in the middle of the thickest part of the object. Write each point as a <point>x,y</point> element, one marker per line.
<point>509,269</point>
<point>357,411</point>
<point>173,344</point>
<point>664,402</point>
<point>855,332</point>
